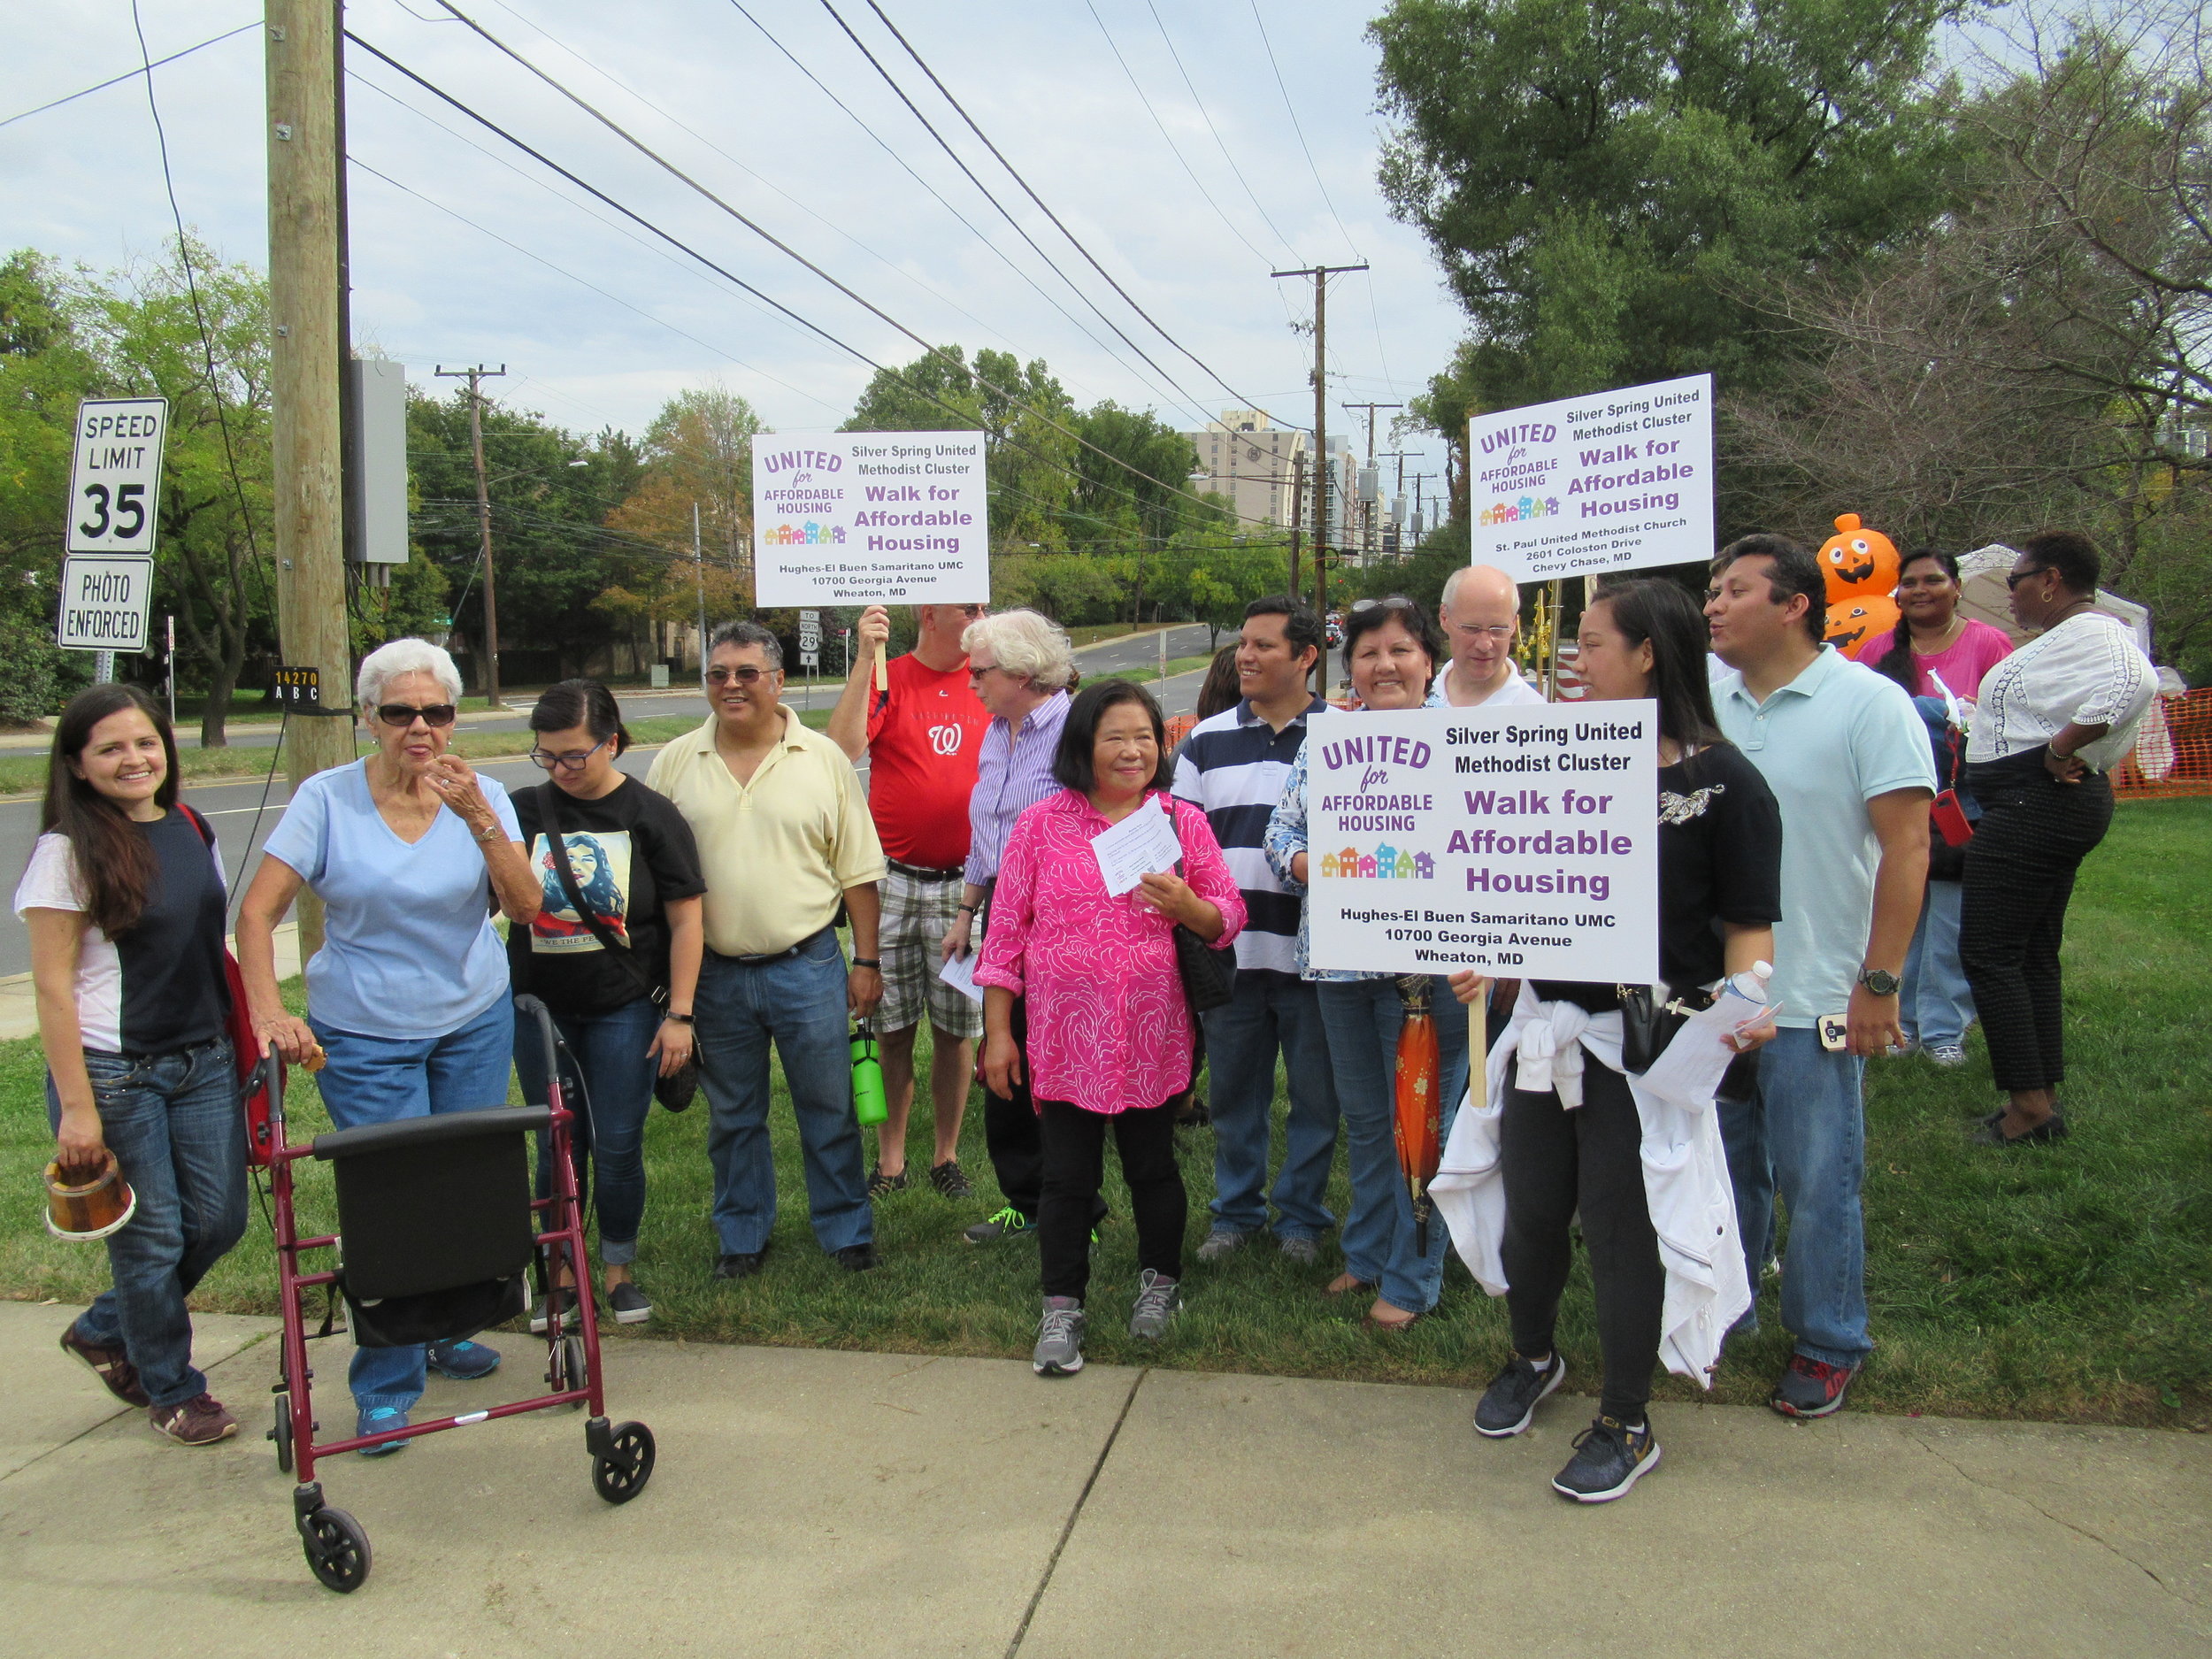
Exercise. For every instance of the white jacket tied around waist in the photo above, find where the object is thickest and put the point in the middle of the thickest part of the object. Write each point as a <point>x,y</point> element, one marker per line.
<point>1685,1179</point>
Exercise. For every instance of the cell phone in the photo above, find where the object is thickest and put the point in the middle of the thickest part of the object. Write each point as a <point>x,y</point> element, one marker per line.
<point>1835,1033</point>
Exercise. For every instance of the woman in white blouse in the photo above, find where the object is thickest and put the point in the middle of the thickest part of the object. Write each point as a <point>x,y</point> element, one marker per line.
<point>2052,720</point>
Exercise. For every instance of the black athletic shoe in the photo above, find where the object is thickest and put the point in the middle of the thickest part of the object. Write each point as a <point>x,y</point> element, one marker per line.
<point>1609,1458</point>
<point>1811,1387</point>
<point>857,1258</point>
<point>1008,1223</point>
<point>1510,1400</point>
<point>740,1264</point>
<point>629,1304</point>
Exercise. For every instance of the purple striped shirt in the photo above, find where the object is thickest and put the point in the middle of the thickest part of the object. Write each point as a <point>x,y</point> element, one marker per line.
<point>1012,775</point>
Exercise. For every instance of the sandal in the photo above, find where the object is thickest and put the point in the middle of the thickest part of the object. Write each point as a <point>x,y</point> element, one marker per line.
<point>112,1365</point>
<point>1391,1326</point>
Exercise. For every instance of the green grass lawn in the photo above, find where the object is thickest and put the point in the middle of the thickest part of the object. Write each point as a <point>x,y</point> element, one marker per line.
<point>2071,1283</point>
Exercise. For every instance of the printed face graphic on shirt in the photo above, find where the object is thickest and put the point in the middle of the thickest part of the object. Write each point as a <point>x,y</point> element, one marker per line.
<point>601,862</point>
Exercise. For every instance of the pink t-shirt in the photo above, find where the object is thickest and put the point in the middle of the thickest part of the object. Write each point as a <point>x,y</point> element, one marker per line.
<point>1109,1028</point>
<point>1962,663</point>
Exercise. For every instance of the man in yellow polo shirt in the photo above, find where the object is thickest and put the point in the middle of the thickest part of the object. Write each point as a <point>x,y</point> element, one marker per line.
<point>783,835</point>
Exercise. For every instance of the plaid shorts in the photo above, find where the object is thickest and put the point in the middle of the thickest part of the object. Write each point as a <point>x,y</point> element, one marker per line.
<point>916,914</point>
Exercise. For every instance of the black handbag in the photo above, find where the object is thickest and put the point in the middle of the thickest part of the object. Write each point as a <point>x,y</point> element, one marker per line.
<point>1209,972</point>
<point>1649,1018</point>
<point>675,1090</point>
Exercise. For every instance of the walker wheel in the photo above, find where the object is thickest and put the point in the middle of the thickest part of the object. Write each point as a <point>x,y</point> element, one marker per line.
<point>574,1374</point>
<point>281,1432</point>
<point>337,1549</point>
<point>621,1472</point>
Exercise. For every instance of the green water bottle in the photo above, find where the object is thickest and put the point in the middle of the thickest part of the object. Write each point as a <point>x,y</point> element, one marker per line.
<point>869,1105</point>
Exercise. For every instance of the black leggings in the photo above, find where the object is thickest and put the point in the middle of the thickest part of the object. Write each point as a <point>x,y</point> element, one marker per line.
<point>2033,834</point>
<point>1556,1161</point>
<point>1075,1169</point>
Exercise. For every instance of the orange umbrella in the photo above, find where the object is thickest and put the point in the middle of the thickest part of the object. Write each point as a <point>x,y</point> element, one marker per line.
<point>1418,1121</point>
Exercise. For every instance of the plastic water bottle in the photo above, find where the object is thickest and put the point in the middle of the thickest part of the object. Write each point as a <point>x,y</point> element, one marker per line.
<point>1751,985</point>
<point>869,1105</point>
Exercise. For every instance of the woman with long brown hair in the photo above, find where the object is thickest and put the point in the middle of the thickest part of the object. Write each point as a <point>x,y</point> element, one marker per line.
<point>124,900</point>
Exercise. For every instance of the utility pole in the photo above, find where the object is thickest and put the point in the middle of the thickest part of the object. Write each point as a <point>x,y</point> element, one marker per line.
<point>483,518</point>
<point>307,453</point>
<point>1367,502</point>
<point>1395,519</point>
<point>699,569</point>
<point>1297,519</point>
<point>1420,522</point>
<point>1321,274</point>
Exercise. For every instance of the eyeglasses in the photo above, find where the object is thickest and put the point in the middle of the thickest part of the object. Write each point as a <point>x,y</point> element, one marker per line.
<point>570,762</point>
<point>976,671</point>
<point>1499,632</point>
<point>2015,577</point>
<point>404,714</point>
<point>1396,602</point>
<point>747,676</point>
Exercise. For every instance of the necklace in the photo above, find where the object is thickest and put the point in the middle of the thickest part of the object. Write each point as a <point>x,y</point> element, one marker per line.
<point>1944,640</point>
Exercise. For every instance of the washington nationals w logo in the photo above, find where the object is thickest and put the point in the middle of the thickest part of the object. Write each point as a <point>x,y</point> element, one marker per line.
<point>945,739</point>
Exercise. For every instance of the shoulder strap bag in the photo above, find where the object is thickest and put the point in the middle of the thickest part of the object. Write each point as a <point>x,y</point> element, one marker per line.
<point>1209,972</point>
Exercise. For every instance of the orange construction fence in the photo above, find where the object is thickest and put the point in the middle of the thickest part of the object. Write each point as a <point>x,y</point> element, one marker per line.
<point>2173,752</point>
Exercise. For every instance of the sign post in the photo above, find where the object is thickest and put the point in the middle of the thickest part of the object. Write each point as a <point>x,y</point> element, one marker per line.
<point>113,513</point>
<point>870,519</point>
<point>1520,843</point>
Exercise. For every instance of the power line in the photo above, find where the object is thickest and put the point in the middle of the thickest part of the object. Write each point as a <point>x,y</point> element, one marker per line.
<point>1292,111</point>
<point>1215,131</point>
<point>144,68</point>
<point>1088,257</point>
<point>807,323</point>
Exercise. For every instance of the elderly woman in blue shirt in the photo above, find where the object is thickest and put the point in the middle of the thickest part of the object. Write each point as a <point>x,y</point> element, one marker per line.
<point>406,847</point>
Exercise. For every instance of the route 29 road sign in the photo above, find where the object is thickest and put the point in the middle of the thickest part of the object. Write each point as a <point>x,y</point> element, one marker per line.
<point>115,482</point>
<point>104,603</point>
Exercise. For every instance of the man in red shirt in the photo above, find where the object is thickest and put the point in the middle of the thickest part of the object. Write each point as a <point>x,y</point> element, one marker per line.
<point>922,737</point>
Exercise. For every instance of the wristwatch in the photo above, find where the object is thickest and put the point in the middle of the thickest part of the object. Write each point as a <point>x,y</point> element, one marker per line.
<point>1881,981</point>
<point>491,831</point>
<point>868,962</point>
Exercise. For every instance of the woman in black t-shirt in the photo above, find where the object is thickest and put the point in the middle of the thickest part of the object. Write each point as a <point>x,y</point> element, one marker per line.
<point>1720,858</point>
<point>617,975</point>
<point>124,901</point>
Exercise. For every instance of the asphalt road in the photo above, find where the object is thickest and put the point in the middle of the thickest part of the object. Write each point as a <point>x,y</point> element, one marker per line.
<point>242,822</point>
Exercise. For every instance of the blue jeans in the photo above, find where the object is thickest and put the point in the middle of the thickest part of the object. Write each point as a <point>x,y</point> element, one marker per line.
<point>610,1051</point>
<point>173,1122</point>
<point>797,1003</point>
<point>1938,1004</point>
<point>382,1079</point>
<point>1802,1136</point>
<point>1361,1017</point>
<point>1271,1012</point>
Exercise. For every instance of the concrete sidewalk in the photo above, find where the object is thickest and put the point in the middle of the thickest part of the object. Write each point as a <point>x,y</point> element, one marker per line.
<point>813,1504</point>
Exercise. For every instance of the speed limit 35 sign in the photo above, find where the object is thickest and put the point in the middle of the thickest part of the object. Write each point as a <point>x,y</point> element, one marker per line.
<point>115,482</point>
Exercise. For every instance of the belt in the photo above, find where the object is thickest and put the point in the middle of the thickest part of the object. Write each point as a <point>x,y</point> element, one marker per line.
<point>772,955</point>
<point>919,874</point>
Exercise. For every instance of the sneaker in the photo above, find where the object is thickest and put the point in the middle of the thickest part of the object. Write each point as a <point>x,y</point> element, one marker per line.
<point>1811,1387</point>
<point>1609,1458</point>
<point>464,1362</point>
<point>199,1421</point>
<point>1059,1351</point>
<point>382,1420</point>
<point>1008,1223</point>
<point>1948,1054</point>
<point>112,1365</point>
<point>1157,1298</point>
<point>951,1180</point>
<point>1222,1241</point>
<point>1510,1401</point>
<point>881,1186</point>
<point>629,1304</point>
<point>740,1264</point>
<point>1296,1247</point>
<point>564,1297</point>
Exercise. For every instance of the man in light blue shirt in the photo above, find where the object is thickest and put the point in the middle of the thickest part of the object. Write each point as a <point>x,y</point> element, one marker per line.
<point>1847,758</point>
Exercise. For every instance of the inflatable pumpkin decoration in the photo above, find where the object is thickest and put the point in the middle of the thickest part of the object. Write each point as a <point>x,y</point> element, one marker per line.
<point>1853,622</point>
<point>1857,561</point>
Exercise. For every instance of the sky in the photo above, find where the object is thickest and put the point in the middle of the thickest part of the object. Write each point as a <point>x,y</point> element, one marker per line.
<point>1178,163</point>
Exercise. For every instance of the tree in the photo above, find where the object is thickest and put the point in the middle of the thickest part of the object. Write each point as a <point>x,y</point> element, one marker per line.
<point>1598,178</point>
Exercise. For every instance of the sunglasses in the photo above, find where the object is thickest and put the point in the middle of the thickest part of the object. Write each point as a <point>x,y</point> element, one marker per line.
<point>744,676</point>
<point>545,761</point>
<point>2015,577</point>
<point>404,714</point>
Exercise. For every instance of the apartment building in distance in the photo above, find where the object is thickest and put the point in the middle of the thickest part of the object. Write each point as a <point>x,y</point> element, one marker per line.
<point>1247,457</point>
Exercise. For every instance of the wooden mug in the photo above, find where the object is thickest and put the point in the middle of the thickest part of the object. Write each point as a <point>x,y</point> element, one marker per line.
<point>82,1214</point>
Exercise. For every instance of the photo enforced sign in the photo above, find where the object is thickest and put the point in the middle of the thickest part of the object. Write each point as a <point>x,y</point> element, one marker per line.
<point>869,518</point>
<point>1517,843</point>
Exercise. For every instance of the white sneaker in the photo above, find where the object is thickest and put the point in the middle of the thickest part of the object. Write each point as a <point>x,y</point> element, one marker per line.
<point>1948,1054</point>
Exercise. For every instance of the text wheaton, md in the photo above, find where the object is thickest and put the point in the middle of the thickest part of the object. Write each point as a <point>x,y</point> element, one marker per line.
<point>1520,843</point>
<point>869,518</point>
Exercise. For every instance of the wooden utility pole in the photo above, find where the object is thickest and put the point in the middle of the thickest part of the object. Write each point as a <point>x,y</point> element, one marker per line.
<point>1297,517</point>
<point>306,449</point>
<point>474,376</point>
<point>1321,274</point>
<point>1368,542</point>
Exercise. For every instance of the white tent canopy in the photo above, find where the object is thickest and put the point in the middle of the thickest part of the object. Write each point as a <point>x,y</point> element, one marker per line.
<point>1982,582</point>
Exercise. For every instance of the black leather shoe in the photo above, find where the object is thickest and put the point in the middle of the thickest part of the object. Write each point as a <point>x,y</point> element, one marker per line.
<point>857,1258</point>
<point>742,1264</point>
<point>2052,1128</point>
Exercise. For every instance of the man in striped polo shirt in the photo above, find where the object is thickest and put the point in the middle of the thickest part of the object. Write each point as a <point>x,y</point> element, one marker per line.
<point>1233,769</point>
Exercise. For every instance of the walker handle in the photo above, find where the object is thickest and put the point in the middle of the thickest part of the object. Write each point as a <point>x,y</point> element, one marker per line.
<point>530,1008</point>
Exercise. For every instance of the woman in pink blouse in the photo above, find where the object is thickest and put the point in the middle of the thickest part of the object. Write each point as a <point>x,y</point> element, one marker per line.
<point>1111,1033</point>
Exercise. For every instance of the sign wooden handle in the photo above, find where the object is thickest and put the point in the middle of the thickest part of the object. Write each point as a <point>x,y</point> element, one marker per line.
<point>883,668</point>
<point>1478,1048</point>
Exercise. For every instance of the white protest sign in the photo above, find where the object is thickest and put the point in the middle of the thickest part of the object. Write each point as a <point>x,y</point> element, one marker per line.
<point>104,603</point>
<point>1142,844</point>
<point>869,518</point>
<point>1616,481</point>
<point>1520,843</point>
<point>115,478</point>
